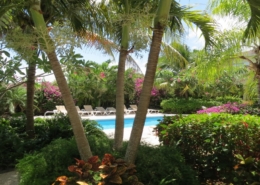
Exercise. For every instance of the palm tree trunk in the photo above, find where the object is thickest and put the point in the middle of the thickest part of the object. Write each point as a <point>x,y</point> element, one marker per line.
<point>119,130</point>
<point>30,100</point>
<point>137,130</point>
<point>120,82</point>
<point>258,91</point>
<point>48,46</point>
<point>77,127</point>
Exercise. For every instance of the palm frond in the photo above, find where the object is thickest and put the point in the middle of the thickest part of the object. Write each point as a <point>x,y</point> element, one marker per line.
<point>203,22</point>
<point>131,63</point>
<point>171,56</point>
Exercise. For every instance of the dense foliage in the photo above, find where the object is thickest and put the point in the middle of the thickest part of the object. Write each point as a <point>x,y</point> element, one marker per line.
<point>48,96</point>
<point>220,147</point>
<point>149,171</point>
<point>191,105</point>
<point>14,142</point>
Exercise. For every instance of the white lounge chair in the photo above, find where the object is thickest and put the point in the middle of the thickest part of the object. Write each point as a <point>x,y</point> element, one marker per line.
<point>133,107</point>
<point>102,110</point>
<point>61,109</point>
<point>153,111</point>
<point>128,111</point>
<point>89,110</point>
<point>110,110</point>
<point>81,112</point>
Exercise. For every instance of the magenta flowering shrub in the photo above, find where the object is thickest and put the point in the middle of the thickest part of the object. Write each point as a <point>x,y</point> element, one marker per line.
<point>155,93</point>
<point>48,96</point>
<point>226,108</point>
<point>51,92</point>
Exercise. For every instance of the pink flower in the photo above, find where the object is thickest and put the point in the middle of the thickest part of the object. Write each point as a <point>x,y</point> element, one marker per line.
<point>102,75</point>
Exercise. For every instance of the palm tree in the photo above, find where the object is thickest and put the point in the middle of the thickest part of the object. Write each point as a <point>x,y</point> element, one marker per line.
<point>45,13</point>
<point>244,11</point>
<point>48,46</point>
<point>172,10</point>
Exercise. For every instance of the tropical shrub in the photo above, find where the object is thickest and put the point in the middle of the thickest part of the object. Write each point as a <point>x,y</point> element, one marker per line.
<point>227,108</point>
<point>229,99</point>
<point>42,167</point>
<point>47,96</point>
<point>156,94</point>
<point>108,171</point>
<point>220,147</point>
<point>10,144</point>
<point>186,106</point>
<point>232,108</point>
<point>15,143</point>
<point>154,165</point>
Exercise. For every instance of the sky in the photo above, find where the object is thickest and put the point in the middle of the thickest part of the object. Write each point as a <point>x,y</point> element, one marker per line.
<point>192,40</point>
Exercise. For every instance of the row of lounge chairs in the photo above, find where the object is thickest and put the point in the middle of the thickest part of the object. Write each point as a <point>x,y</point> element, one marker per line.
<point>89,111</point>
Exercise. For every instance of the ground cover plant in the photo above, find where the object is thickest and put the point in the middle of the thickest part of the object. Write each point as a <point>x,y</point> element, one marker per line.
<point>220,147</point>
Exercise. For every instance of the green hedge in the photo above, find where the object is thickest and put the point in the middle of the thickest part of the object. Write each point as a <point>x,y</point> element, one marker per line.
<point>220,147</point>
<point>186,106</point>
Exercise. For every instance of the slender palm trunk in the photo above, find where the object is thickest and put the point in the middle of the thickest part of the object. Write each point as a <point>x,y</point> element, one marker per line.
<point>119,130</point>
<point>48,46</point>
<point>145,96</point>
<point>137,130</point>
<point>120,83</point>
<point>258,91</point>
<point>77,127</point>
<point>30,100</point>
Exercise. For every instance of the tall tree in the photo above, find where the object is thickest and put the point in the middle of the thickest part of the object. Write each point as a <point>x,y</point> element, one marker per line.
<point>48,46</point>
<point>249,12</point>
<point>166,9</point>
<point>126,32</point>
<point>43,14</point>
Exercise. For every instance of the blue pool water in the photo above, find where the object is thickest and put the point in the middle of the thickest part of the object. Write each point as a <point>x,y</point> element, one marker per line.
<point>110,123</point>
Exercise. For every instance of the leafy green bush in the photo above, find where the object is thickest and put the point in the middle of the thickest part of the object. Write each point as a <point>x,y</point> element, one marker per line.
<point>10,144</point>
<point>229,99</point>
<point>159,165</point>
<point>15,143</point>
<point>186,106</point>
<point>221,147</point>
<point>155,164</point>
<point>44,166</point>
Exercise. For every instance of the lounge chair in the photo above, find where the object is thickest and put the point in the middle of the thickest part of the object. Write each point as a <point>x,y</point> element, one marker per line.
<point>61,109</point>
<point>81,112</point>
<point>89,110</point>
<point>128,111</point>
<point>149,111</point>
<point>110,110</point>
<point>51,112</point>
<point>102,110</point>
<point>153,111</point>
<point>133,107</point>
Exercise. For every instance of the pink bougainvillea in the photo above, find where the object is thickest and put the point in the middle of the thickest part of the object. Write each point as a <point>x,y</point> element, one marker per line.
<point>51,92</point>
<point>138,88</point>
<point>228,108</point>
<point>102,75</point>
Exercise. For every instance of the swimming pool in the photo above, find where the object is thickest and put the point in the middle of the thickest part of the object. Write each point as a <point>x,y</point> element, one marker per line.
<point>110,123</point>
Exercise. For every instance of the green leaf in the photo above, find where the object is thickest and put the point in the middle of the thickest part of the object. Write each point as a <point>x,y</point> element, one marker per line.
<point>249,160</point>
<point>239,157</point>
